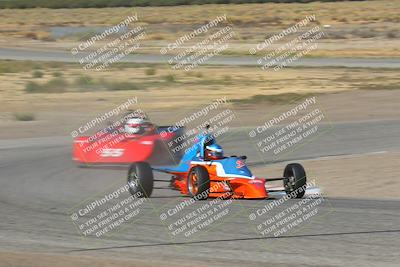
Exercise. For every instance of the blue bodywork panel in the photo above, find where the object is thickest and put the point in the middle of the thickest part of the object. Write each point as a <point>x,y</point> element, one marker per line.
<point>230,165</point>
<point>194,153</point>
<point>235,166</point>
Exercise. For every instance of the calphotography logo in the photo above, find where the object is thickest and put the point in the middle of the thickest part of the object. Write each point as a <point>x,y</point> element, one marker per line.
<point>283,133</point>
<point>102,50</point>
<point>108,115</point>
<point>192,55</point>
<point>289,51</point>
<point>102,216</point>
<point>280,217</point>
<point>214,117</point>
<point>187,219</point>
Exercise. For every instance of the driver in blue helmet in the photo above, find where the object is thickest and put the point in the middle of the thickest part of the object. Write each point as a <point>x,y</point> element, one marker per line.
<point>213,152</point>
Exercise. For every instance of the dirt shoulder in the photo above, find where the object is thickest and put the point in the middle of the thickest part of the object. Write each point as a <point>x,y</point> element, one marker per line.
<point>58,117</point>
<point>31,259</point>
<point>365,176</point>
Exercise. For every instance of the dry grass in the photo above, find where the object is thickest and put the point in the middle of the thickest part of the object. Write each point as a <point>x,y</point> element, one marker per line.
<point>24,116</point>
<point>250,14</point>
<point>350,22</point>
<point>165,89</point>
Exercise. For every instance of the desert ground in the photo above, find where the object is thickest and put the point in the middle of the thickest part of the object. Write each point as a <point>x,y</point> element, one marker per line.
<point>352,29</point>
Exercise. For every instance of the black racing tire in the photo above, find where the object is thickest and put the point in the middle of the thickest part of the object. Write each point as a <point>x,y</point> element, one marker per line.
<point>295,180</point>
<point>140,179</point>
<point>198,183</point>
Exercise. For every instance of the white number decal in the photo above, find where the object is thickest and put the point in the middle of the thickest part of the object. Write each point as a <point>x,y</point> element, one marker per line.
<point>112,152</point>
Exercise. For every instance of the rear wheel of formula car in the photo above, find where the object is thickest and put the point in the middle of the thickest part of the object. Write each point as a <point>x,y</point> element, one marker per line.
<point>198,183</point>
<point>140,179</point>
<point>294,180</point>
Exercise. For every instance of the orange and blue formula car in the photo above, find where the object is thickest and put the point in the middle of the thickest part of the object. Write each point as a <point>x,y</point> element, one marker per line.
<point>205,172</point>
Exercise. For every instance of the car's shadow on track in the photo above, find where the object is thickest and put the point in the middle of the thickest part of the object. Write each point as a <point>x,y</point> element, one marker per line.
<point>240,239</point>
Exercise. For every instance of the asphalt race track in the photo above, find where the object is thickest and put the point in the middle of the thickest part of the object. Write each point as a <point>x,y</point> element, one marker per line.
<point>40,187</point>
<point>65,56</point>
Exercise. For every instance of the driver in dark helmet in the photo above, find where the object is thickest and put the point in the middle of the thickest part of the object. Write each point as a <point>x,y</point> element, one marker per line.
<point>213,152</point>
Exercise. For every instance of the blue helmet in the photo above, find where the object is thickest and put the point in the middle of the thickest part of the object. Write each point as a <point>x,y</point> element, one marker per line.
<point>214,151</point>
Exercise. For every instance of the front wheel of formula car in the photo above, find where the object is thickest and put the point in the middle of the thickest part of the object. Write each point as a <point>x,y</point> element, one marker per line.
<point>294,180</point>
<point>198,183</point>
<point>140,179</point>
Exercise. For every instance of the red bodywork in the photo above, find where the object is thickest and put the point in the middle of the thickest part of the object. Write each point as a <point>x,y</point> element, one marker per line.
<point>119,148</point>
<point>226,187</point>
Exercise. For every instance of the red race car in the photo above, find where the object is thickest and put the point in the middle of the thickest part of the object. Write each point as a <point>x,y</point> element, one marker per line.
<point>135,139</point>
